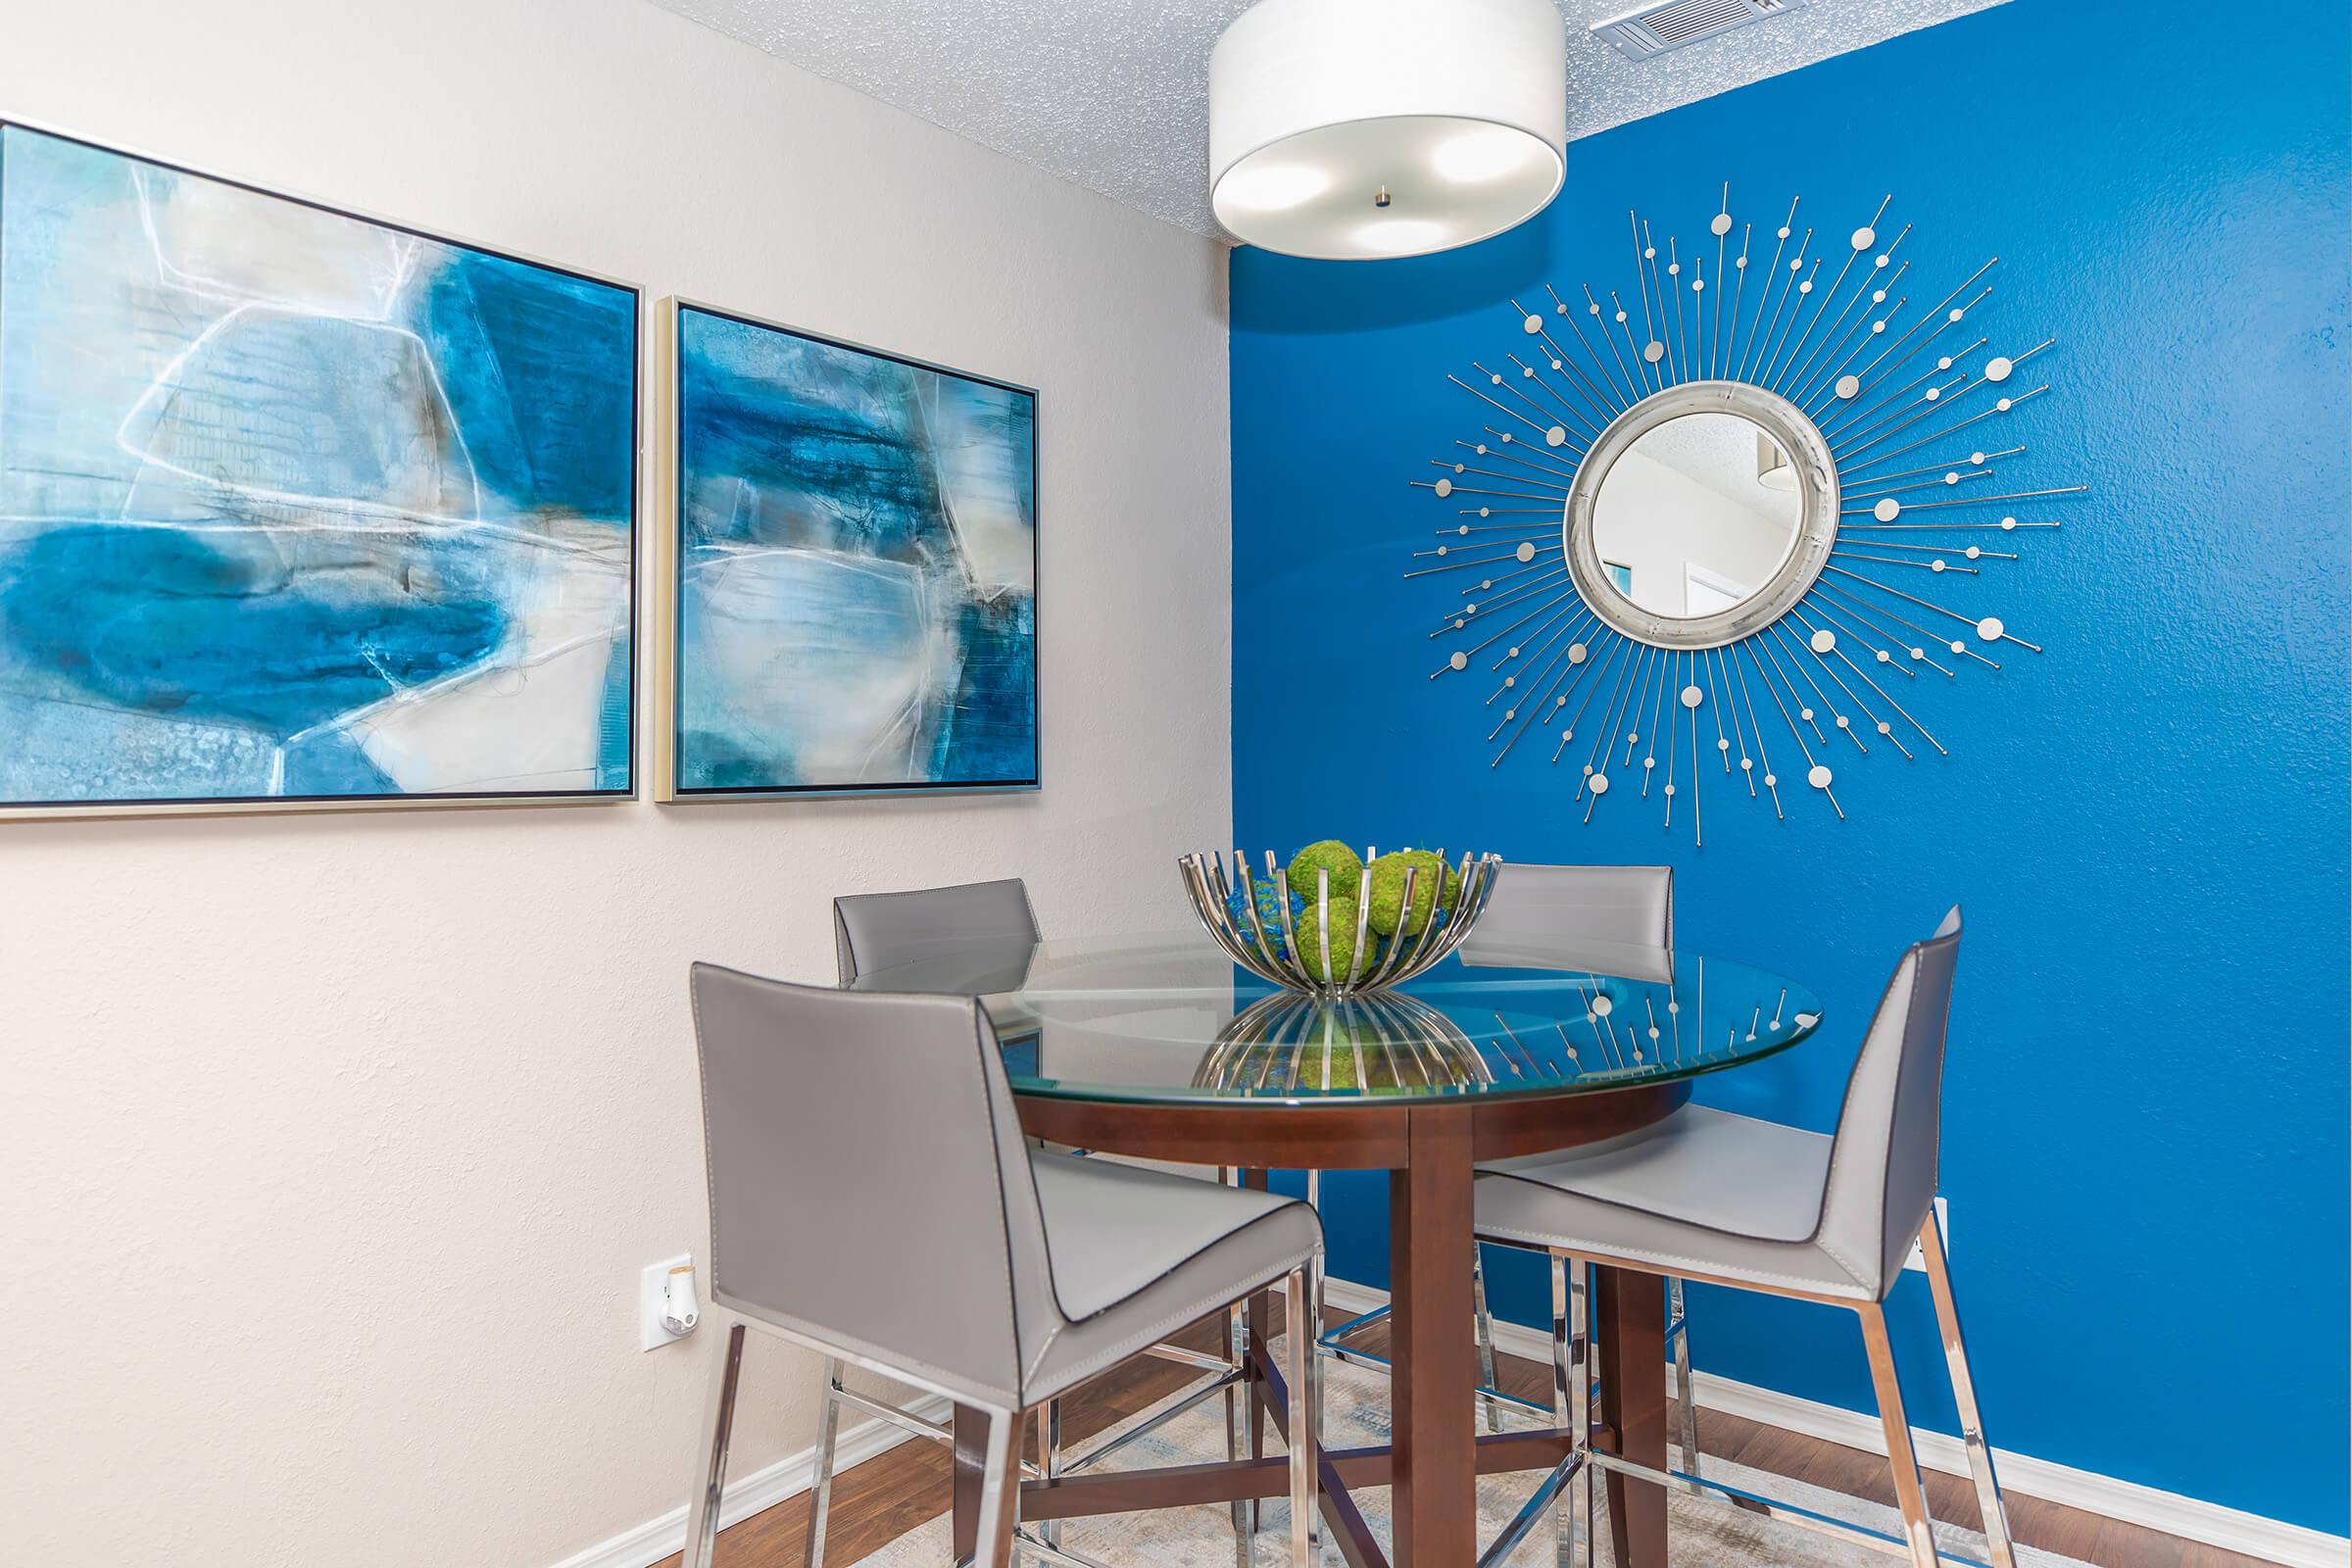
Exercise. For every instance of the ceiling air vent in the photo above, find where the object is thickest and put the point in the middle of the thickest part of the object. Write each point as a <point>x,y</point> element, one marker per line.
<point>1648,32</point>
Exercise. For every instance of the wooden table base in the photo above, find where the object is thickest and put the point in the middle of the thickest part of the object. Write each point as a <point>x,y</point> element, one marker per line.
<point>1224,1481</point>
<point>1432,1464</point>
<point>1344,1471</point>
<point>1637,1512</point>
<point>1629,1326</point>
<point>1435,1366</point>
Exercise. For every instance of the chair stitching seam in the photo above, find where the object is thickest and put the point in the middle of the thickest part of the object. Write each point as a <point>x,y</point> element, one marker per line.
<point>1069,1322</point>
<point>1713,1230</point>
<point>1181,1317</point>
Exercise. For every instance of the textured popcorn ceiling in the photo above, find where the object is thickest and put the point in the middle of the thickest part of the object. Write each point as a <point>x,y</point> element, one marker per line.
<point>1114,94</point>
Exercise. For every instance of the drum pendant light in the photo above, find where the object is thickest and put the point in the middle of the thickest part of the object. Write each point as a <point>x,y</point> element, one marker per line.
<point>1359,129</point>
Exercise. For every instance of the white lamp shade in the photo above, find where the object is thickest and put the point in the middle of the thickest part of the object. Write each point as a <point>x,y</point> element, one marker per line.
<point>1358,129</point>
<point>1774,470</point>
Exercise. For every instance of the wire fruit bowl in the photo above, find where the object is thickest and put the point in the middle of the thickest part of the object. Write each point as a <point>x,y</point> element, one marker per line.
<point>1268,943</point>
<point>1373,1042</point>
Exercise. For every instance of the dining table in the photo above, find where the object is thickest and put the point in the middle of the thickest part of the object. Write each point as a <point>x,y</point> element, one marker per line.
<point>1159,1047</point>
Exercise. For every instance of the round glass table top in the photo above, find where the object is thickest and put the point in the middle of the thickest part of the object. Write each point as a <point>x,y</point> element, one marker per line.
<point>1171,1019</point>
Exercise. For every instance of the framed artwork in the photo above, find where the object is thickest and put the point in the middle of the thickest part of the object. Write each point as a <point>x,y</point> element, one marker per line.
<point>851,569</point>
<point>299,509</point>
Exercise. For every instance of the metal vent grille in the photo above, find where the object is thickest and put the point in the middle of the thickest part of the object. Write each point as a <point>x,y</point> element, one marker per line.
<point>1648,32</point>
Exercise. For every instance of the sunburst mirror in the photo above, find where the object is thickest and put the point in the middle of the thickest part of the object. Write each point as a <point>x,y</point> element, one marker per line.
<point>1727,546</point>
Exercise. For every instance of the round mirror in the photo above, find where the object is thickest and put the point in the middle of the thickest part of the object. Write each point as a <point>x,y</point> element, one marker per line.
<point>1690,521</point>
<point>1701,515</point>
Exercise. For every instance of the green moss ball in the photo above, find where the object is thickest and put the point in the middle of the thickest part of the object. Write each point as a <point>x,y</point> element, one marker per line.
<point>1346,961</point>
<point>1347,868</point>
<point>1337,1057</point>
<point>1388,890</point>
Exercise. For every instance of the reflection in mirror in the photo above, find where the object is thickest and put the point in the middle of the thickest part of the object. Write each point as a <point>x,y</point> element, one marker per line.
<point>1375,1041</point>
<point>1696,516</point>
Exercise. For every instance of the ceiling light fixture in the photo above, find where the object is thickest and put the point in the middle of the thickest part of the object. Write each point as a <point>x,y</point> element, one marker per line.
<point>1274,187</point>
<point>1355,130</point>
<point>1482,155</point>
<point>1399,236</point>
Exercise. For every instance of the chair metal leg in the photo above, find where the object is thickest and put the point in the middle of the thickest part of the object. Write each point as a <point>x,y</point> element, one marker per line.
<point>1306,1507</point>
<point>1909,1495</point>
<point>1238,1401</point>
<point>1048,1463</point>
<point>1686,1403</point>
<point>821,1489</point>
<point>1237,1437</point>
<point>1317,1286</point>
<point>1964,1397</point>
<point>1000,1492</point>
<point>1316,1283</point>
<point>711,1469</point>
<point>1486,1336</point>
<point>1572,1403</point>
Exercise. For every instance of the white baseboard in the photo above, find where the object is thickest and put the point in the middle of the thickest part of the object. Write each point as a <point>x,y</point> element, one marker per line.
<point>746,1496</point>
<point>2247,1534</point>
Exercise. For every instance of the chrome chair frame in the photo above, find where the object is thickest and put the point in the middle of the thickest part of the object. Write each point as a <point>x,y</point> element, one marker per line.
<point>1230,1373</point>
<point>1870,1196</point>
<point>1571,1343</point>
<point>1001,1534</point>
<point>1002,1366</point>
<point>1229,1377</point>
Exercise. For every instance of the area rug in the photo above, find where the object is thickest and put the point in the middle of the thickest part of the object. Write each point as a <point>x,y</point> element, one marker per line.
<point>1704,1533</point>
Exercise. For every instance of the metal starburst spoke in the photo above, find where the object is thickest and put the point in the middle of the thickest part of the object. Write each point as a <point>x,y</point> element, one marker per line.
<point>1873,400</point>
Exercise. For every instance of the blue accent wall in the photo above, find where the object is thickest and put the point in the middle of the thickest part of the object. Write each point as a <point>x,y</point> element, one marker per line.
<point>2147,1083</point>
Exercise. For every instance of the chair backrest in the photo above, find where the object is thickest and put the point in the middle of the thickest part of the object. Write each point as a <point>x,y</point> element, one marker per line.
<point>862,1148</point>
<point>1881,1179</point>
<point>1618,919</point>
<point>874,929</point>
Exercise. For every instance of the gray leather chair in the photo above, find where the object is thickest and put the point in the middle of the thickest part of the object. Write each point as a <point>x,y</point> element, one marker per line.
<point>1618,919</point>
<point>1758,1207</point>
<point>963,924</point>
<point>1062,1268</point>
<point>872,930</point>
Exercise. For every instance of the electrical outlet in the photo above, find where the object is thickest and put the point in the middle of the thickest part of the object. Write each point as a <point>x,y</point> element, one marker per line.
<point>652,1286</point>
<point>1943,1223</point>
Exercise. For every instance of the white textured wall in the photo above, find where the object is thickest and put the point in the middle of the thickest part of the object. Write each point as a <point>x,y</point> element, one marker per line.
<point>423,1081</point>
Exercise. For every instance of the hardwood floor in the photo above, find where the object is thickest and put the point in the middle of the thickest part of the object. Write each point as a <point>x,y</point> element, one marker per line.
<point>879,1501</point>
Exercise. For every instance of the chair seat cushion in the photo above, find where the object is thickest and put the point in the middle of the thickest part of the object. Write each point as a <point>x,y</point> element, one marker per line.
<point>1704,1191</point>
<point>1139,1253</point>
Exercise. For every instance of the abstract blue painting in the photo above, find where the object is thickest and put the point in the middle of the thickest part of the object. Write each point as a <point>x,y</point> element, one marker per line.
<point>856,584</point>
<point>297,507</point>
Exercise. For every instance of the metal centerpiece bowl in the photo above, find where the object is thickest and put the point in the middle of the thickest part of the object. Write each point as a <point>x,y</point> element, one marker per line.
<point>1374,1043</point>
<point>1270,948</point>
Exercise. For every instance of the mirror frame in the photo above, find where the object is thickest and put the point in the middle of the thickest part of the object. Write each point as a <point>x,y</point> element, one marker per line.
<point>1816,526</point>
<point>1891,416</point>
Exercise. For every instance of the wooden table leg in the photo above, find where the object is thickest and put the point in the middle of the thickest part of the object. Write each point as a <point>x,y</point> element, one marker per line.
<point>1630,1313</point>
<point>1258,1330</point>
<point>971,1457</point>
<point>1435,1374</point>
